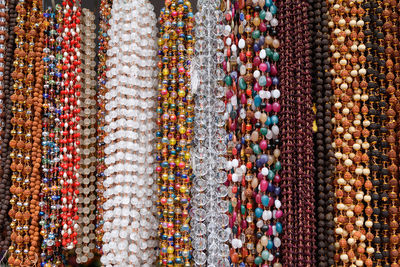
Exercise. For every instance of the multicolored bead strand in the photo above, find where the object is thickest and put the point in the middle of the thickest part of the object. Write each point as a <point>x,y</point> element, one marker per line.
<point>70,143</point>
<point>87,105</point>
<point>174,137</point>
<point>103,46</point>
<point>50,194</point>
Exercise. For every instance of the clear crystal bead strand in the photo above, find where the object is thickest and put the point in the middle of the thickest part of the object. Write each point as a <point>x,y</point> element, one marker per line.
<point>209,207</point>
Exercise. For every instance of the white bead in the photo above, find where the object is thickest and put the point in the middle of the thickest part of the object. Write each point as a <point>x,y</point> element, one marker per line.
<point>241,44</point>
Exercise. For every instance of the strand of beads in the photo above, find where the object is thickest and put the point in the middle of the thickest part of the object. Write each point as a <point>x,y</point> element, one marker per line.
<point>323,148</point>
<point>285,34</point>
<point>175,109</point>
<point>26,133</point>
<point>130,227</point>
<point>105,11</point>
<point>8,21</point>
<point>348,71</point>
<point>209,233</point>
<point>86,207</point>
<point>238,209</point>
<point>391,13</point>
<point>50,187</point>
<point>305,235</point>
<point>70,142</point>
<point>374,102</point>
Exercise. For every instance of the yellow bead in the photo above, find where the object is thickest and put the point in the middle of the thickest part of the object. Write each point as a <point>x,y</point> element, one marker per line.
<point>165,71</point>
<point>187,155</point>
<point>182,130</point>
<point>181,93</point>
<point>170,249</point>
<point>172,141</point>
<point>164,176</point>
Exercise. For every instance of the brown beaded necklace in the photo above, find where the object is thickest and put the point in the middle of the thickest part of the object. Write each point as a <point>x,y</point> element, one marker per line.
<point>26,135</point>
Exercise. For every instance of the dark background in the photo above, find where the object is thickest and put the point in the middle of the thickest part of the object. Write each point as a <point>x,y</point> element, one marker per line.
<point>95,4</point>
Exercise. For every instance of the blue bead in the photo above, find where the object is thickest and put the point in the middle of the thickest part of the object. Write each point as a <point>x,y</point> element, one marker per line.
<point>262,81</point>
<point>277,190</point>
<point>257,101</point>
<point>265,200</point>
<point>278,227</point>
<point>241,16</point>
<point>268,121</point>
<point>271,187</point>
<point>259,163</point>
<point>261,41</point>
<point>270,245</point>
<point>230,137</point>
<point>256,47</point>
<point>258,212</point>
<point>274,119</point>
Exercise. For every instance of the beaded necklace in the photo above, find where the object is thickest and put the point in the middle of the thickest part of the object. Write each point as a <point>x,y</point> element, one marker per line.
<point>323,149</point>
<point>5,121</point>
<point>70,142</point>
<point>50,187</point>
<point>209,233</point>
<point>175,131</point>
<point>26,133</point>
<point>3,44</point>
<point>105,11</point>
<point>87,123</point>
<point>349,87</point>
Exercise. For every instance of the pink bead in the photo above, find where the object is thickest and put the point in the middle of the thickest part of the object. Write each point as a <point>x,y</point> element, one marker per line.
<point>243,99</point>
<point>244,224</point>
<point>229,94</point>
<point>269,81</point>
<point>233,126</point>
<point>258,199</point>
<point>274,70</point>
<point>260,176</point>
<point>268,108</point>
<point>263,186</point>
<point>224,65</point>
<point>278,214</point>
<point>271,202</point>
<point>263,67</point>
<point>277,178</point>
<point>234,215</point>
<point>263,144</point>
<point>230,222</point>
<point>276,107</point>
<point>263,27</point>
<point>257,87</point>
<point>256,61</point>
<point>269,232</point>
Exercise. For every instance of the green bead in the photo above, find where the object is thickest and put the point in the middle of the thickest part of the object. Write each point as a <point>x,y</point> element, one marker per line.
<point>275,56</point>
<point>230,207</point>
<point>243,209</point>
<point>256,34</point>
<point>264,131</point>
<point>242,84</point>
<point>278,166</point>
<point>262,14</point>
<point>269,52</point>
<point>256,149</point>
<point>258,261</point>
<point>271,175</point>
<point>228,80</point>
<point>268,3</point>
<point>273,9</point>
<point>265,255</point>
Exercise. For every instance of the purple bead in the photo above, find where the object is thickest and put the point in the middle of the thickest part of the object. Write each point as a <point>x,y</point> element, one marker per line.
<point>277,190</point>
<point>238,147</point>
<point>271,187</point>
<point>259,163</point>
<point>260,176</point>
<point>264,158</point>
<point>234,75</point>
<point>256,47</point>
<point>275,81</point>
<point>261,41</point>
<point>244,224</point>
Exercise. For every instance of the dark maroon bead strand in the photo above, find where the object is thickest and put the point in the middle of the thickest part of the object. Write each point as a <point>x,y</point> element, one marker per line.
<point>322,92</point>
<point>5,177</point>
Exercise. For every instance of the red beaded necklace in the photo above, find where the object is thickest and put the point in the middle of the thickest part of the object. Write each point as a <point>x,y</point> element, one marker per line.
<point>70,117</point>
